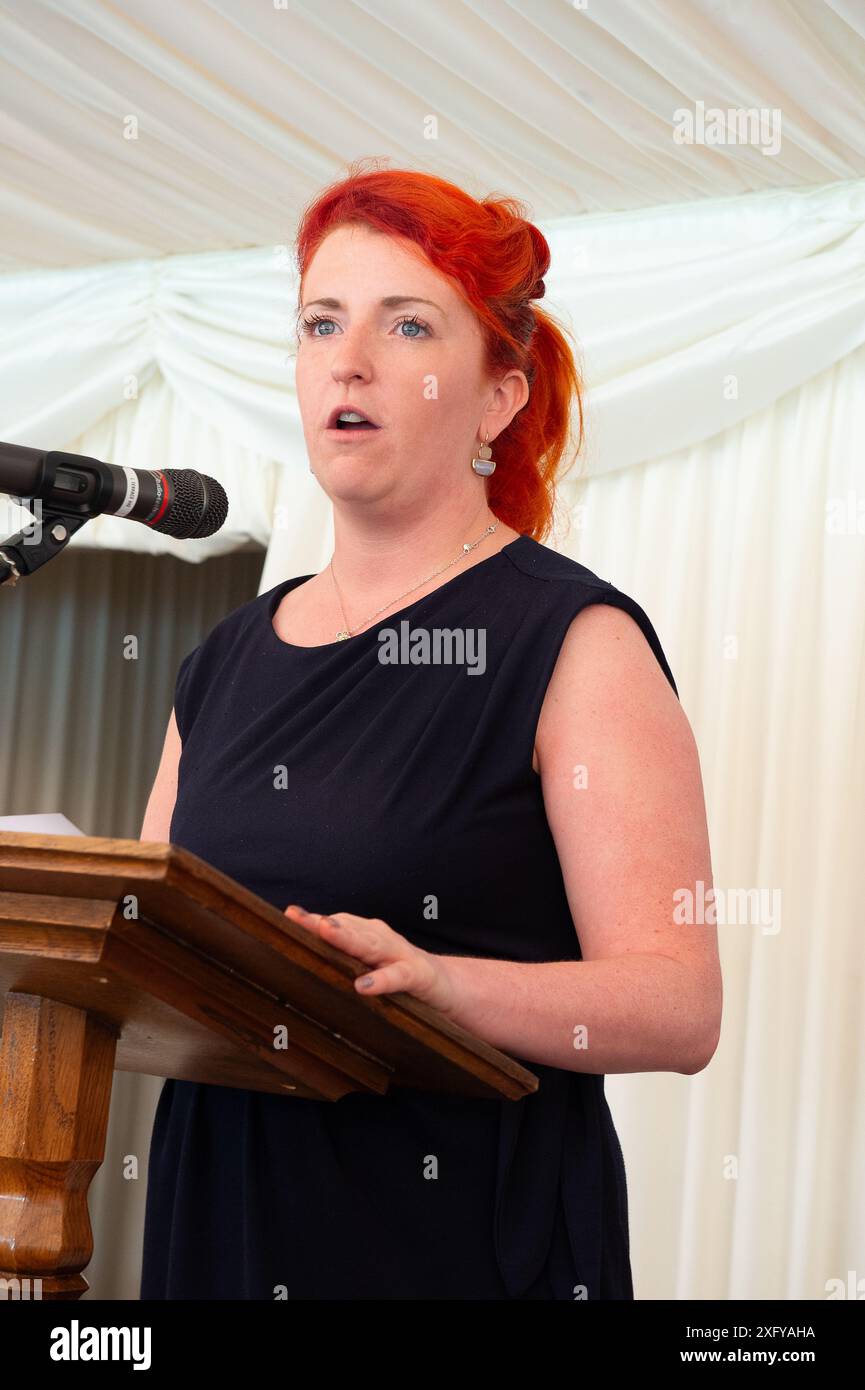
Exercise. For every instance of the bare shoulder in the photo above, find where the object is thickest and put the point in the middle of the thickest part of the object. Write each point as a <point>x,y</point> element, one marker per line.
<point>621,780</point>
<point>609,704</point>
<point>605,666</point>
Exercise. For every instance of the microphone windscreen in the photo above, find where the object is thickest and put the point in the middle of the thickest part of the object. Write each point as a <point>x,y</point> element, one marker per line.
<point>198,505</point>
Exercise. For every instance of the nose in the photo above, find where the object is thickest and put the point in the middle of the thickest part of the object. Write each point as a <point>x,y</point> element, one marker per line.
<point>351,359</point>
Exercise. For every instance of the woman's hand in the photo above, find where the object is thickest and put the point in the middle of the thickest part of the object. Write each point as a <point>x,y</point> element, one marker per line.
<point>400,966</point>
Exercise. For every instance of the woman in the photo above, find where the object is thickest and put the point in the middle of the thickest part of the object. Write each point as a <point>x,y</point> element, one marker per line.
<point>499,831</point>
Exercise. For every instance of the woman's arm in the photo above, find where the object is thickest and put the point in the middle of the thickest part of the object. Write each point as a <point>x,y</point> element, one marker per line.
<point>620,777</point>
<point>621,782</point>
<point>617,1015</point>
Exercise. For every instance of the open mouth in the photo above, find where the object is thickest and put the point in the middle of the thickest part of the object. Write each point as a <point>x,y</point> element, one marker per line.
<point>349,420</point>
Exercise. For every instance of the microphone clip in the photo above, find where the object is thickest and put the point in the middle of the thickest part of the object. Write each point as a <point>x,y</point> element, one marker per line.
<point>20,555</point>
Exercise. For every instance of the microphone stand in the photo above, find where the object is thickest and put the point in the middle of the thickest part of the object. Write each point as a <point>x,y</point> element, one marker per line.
<point>20,555</point>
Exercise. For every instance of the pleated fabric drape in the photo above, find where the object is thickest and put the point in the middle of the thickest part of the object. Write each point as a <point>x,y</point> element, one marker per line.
<point>748,553</point>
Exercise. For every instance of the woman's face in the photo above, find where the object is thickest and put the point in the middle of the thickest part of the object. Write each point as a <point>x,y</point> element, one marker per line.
<point>414,368</point>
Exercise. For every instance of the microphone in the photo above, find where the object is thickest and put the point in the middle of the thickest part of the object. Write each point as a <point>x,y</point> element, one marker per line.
<point>176,501</point>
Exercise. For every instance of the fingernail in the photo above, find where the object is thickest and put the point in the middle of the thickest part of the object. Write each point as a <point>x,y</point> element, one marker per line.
<point>365,981</point>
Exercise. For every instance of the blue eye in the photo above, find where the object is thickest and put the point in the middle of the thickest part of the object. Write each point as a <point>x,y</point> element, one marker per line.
<point>308,326</point>
<point>415,323</point>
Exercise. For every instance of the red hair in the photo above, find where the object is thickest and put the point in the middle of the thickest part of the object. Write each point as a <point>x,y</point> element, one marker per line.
<point>496,259</point>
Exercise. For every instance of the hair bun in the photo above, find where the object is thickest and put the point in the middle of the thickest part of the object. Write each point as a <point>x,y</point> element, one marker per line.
<point>539,289</point>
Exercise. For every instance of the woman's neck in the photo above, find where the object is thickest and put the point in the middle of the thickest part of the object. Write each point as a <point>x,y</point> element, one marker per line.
<point>373,564</point>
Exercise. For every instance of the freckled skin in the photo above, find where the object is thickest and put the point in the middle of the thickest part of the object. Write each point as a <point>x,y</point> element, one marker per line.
<point>405,497</point>
<point>424,385</point>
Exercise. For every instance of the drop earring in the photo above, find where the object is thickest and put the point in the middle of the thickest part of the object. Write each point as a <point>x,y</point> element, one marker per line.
<point>483,463</point>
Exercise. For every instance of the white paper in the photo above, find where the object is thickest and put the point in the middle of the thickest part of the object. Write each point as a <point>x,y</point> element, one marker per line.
<point>51,823</point>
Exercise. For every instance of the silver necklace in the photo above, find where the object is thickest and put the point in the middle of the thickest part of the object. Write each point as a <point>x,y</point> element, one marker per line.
<point>350,631</point>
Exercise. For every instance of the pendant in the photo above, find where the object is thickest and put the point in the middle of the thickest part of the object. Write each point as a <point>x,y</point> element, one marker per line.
<point>341,636</point>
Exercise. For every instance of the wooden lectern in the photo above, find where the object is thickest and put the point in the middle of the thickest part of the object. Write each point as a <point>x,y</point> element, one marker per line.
<point>140,956</point>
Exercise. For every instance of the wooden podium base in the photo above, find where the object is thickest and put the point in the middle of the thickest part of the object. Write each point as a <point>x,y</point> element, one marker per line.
<point>56,1067</point>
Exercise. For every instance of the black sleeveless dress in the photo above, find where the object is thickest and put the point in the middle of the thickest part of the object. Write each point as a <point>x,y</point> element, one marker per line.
<point>404,781</point>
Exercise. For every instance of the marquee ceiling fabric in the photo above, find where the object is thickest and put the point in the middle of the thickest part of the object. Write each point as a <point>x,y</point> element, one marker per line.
<point>137,129</point>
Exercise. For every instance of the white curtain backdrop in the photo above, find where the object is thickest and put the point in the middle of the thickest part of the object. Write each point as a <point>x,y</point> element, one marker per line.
<point>748,553</point>
<point>690,319</point>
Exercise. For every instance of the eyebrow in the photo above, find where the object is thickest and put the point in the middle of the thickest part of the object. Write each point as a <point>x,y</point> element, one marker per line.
<point>392,301</point>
